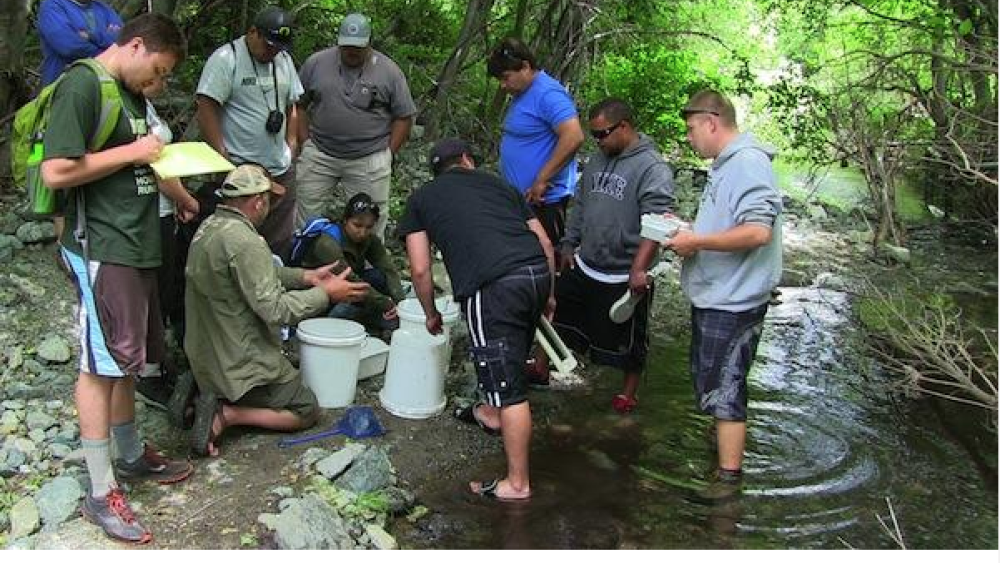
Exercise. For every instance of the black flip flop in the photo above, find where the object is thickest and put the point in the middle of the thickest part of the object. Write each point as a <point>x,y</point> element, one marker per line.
<point>468,414</point>
<point>205,407</point>
<point>488,489</point>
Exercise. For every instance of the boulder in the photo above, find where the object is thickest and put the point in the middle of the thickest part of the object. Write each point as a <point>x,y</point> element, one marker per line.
<point>24,519</point>
<point>54,350</point>
<point>35,232</point>
<point>333,465</point>
<point>371,471</point>
<point>9,245</point>
<point>58,499</point>
<point>39,420</point>
<point>308,523</point>
<point>896,254</point>
<point>74,535</point>
<point>380,538</point>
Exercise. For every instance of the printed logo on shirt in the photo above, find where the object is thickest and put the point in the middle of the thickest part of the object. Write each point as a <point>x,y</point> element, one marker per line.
<point>138,124</point>
<point>609,184</point>
<point>262,81</point>
<point>145,180</point>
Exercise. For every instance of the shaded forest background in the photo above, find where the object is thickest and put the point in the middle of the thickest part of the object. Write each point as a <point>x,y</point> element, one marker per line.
<point>901,89</point>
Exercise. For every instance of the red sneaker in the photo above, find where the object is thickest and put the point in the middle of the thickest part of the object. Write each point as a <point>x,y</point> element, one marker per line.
<point>623,404</point>
<point>113,514</point>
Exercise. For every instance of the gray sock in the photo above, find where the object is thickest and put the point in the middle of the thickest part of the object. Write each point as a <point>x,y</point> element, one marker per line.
<point>127,442</point>
<point>97,454</point>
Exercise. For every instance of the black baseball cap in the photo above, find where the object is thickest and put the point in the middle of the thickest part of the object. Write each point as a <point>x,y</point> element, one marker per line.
<point>275,25</point>
<point>446,149</point>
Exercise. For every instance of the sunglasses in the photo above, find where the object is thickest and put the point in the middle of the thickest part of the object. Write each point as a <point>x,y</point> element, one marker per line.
<point>363,206</point>
<point>601,134</point>
<point>695,111</point>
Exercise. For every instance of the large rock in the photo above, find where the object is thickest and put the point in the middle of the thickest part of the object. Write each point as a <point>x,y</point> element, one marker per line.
<point>39,420</point>
<point>311,456</point>
<point>54,350</point>
<point>74,535</point>
<point>896,254</point>
<point>35,232</point>
<point>8,245</point>
<point>371,471</point>
<point>308,523</point>
<point>24,518</point>
<point>11,459</point>
<point>380,538</point>
<point>58,499</point>
<point>333,465</point>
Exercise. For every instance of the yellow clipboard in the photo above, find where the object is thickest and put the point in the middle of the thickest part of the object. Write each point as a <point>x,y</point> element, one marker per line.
<point>189,159</point>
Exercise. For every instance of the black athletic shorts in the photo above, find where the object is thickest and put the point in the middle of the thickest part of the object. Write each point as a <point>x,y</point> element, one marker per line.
<point>582,306</point>
<point>723,346</point>
<point>502,316</point>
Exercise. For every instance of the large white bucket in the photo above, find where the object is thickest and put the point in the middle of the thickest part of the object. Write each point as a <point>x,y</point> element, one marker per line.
<point>418,362</point>
<point>328,359</point>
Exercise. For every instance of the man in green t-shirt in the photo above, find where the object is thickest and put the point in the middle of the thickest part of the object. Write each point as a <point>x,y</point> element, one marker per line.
<point>113,260</point>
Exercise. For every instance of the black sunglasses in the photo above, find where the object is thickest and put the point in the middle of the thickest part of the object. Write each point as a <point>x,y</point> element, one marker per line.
<point>363,206</point>
<point>601,134</point>
<point>695,111</point>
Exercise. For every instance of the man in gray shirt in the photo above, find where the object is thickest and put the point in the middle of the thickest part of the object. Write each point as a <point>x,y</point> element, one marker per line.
<point>358,115</point>
<point>247,111</point>
<point>732,261</point>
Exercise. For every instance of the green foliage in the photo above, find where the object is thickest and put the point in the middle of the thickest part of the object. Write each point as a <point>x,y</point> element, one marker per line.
<point>884,314</point>
<point>656,81</point>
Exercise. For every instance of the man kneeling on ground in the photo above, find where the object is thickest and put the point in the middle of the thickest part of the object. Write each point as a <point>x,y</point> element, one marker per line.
<point>236,301</point>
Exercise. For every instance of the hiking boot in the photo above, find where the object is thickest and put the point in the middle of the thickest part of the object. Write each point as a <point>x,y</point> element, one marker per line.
<point>113,514</point>
<point>153,391</point>
<point>181,399</point>
<point>154,466</point>
<point>724,486</point>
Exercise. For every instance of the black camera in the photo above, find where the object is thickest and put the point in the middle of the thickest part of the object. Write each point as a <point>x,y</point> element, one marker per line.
<point>275,120</point>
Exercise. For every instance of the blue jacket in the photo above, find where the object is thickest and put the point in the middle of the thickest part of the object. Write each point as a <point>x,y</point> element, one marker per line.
<point>71,31</point>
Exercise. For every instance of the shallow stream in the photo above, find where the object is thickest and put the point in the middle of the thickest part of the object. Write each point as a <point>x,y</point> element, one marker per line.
<point>827,445</point>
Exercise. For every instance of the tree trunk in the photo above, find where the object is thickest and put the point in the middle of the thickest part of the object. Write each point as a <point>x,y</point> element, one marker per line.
<point>476,14</point>
<point>13,89</point>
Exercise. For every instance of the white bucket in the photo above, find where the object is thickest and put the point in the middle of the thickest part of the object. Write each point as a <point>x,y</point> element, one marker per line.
<point>374,355</point>
<point>328,359</point>
<point>418,362</point>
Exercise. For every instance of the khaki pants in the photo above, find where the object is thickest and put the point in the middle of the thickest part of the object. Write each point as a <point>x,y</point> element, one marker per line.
<point>325,183</point>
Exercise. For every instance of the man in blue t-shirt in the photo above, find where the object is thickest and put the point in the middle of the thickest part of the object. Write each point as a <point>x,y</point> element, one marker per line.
<point>72,30</point>
<point>541,134</point>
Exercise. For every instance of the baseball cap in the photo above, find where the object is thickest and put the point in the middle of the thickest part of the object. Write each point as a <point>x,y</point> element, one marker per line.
<point>446,149</point>
<point>355,31</point>
<point>275,25</point>
<point>249,179</point>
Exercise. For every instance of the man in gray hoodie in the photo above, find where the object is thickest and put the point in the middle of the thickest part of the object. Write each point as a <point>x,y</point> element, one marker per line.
<point>732,261</point>
<point>602,256</point>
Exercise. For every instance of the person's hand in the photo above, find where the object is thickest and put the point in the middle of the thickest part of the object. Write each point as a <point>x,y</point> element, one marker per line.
<point>536,193</point>
<point>684,243</point>
<point>391,313</point>
<point>638,282</point>
<point>565,259</point>
<point>316,275</point>
<point>341,290</point>
<point>146,149</point>
<point>434,323</point>
<point>550,307</point>
<point>188,210</point>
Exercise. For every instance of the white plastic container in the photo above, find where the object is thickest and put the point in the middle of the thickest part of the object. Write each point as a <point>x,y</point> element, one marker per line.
<point>374,355</point>
<point>659,227</point>
<point>329,355</point>
<point>418,362</point>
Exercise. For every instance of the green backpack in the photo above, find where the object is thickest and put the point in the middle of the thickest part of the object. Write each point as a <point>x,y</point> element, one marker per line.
<point>30,122</point>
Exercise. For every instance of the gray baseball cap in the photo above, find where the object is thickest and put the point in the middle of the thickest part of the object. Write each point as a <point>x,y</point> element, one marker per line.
<point>355,31</point>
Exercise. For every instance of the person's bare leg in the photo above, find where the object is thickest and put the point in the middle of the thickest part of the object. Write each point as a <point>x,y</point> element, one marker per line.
<point>271,419</point>
<point>732,441</point>
<point>123,400</point>
<point>488,415</point>
<point>631,384</point>
<point>515,425</point>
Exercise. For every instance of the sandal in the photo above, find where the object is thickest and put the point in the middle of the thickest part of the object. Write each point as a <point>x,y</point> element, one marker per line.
<point>205,408</point>
<point>623,404</point>
<point>488,489</point>
<point>468,414</point>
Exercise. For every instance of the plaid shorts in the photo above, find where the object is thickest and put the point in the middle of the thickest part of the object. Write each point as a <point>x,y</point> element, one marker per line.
<point>723,346</point>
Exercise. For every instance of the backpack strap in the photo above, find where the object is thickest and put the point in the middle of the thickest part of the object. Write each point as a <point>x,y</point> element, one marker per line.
<point>111,104</point>
<point>307,234</point>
